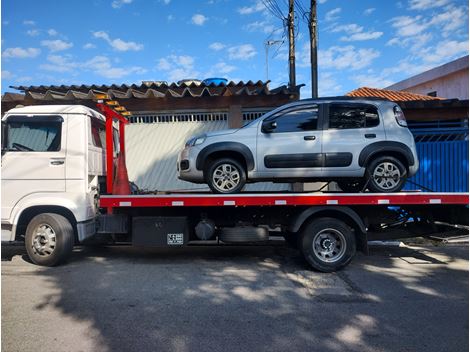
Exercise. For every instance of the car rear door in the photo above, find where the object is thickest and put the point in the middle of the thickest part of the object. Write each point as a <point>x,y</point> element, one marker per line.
<point>292,148</point>
<point>348,128</point>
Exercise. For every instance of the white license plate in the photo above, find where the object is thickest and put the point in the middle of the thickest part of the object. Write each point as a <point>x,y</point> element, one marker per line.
<point>175,239</point>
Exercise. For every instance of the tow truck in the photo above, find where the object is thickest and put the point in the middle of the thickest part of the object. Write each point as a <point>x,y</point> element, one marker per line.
<point>64,183</point>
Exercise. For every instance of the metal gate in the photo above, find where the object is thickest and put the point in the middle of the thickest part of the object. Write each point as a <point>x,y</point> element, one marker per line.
<point>443,158</point>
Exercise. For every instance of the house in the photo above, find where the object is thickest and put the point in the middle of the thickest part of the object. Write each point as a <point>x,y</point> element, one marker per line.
<point>448,81</point>
<point>164,116</point>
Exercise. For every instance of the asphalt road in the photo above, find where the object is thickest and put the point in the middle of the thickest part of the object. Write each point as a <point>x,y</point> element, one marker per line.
<point>236,299</point>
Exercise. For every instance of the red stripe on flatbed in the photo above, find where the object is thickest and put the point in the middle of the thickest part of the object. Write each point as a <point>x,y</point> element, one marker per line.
<point>290,199</point>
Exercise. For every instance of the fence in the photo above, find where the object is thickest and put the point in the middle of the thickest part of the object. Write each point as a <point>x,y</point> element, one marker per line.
<point>443,156</point>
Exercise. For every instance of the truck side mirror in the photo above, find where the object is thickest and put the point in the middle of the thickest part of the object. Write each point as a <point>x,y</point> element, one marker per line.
<point>268,126</point>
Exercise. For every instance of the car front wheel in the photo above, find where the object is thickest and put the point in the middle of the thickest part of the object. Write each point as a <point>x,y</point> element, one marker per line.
<point>386,174</point>
<point>225,176</point>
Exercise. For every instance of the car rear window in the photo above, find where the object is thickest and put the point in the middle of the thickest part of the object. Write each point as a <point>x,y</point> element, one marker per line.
<point>347,116</point>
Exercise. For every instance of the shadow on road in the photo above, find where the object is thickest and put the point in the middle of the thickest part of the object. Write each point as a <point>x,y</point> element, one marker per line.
<point>261,299</point>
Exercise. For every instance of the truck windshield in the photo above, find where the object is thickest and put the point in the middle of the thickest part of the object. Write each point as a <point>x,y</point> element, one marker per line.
<point>40,136</point>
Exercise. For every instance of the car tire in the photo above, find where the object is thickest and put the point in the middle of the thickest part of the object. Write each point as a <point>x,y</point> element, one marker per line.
<point>225,176</point>
<point>386,174</point>
<point>49,239</point>
<point>355,186</point>
<point>327,244</point>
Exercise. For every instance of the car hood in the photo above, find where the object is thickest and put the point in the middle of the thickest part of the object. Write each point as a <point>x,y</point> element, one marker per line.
<point>220,133</point>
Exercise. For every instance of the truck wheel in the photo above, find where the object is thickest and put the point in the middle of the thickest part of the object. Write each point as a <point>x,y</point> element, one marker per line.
<point>225,176</point>
<point>386,174</point>
<point>49,239</point>
<point>327,244</point>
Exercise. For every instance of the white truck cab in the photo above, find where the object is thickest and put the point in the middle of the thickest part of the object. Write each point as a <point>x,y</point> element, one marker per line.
<point>53,158</point>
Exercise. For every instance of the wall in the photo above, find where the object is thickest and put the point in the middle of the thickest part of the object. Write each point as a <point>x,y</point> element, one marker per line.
<point>452,86</point>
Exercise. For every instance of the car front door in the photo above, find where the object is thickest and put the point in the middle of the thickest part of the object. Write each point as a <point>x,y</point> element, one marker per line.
<point>289,143</point>
<point>348,129</point>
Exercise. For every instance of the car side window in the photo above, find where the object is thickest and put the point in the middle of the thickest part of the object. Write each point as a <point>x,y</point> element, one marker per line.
<point>344,116</point>
<point>297,120</point>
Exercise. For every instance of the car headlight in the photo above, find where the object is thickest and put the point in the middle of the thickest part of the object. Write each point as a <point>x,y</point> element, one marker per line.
<point>195,141</point>
<point>199,140</point>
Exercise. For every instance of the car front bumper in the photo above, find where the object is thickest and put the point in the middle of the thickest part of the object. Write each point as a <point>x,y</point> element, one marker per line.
<point>186,166</point>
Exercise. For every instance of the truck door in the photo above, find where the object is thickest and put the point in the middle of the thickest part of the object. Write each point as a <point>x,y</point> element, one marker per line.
<point>33,157</point>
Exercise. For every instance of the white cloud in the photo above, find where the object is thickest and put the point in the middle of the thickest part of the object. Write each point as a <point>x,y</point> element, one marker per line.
<point>56,45</point>
<point>178,67</point>
<point>217,46</point>
<point>52,32</point>
<point>426,4</point>
<point>259,26</point>
<point>116,4</point>
<point>89,46</point>
<point>166,2</point>
<point>355,33</point>
<point>29,23</point>
<point>99,65</point>
<point>322,1</point>
<point>450,20</point>
<point>408,26</point>
<point>328,85</point>
<point>198,19</point>
<point>7,75</point>
<point>369,11</point>
<point>241,52</point>
<point>372,80</point>
<point>170,18</point>
<point>32,32</point>
<point>220,68</point>
<point>332,14</point>
<point>248,10</point>
<point>444,51</point>
<point>21,53</point>
<point>118,44</point>
<point>340,58</point>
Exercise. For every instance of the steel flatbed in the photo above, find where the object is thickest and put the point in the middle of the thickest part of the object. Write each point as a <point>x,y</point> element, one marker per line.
<point>281,199</point>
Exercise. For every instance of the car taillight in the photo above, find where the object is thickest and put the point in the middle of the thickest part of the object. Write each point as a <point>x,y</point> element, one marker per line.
<point>400,116</point>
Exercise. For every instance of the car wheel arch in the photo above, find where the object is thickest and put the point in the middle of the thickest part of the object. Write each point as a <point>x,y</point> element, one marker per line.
<point>235,150</point>
<point>386,148</point>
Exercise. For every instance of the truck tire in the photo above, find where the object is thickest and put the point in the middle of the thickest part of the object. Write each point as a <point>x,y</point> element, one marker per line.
<point>386,174</point>
<point>49,239</point>
<point>327,244</point>
<point>225,176</point>
<point>243,234</point>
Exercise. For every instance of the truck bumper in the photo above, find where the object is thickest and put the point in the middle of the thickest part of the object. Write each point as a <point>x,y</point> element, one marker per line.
<point>86,229</point>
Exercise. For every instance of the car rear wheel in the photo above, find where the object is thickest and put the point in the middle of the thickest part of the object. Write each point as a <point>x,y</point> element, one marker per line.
<point>225,176</point>
<point>386,174</point>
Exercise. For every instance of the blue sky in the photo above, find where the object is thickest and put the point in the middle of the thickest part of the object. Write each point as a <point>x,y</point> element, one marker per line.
<point>361,43</point>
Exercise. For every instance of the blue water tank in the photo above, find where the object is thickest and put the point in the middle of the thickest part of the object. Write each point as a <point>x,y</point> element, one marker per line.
<point>216,81</point>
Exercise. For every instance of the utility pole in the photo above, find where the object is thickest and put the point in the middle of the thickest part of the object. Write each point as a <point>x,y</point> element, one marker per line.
<point>312,27</point>
<point>290,25</point>
<point>267,44</point>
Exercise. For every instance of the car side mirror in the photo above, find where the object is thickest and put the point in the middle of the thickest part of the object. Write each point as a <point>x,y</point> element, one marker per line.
<point>269,126</point>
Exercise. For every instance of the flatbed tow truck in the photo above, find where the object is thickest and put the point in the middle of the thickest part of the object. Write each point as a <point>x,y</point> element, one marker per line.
<point>81,194</point>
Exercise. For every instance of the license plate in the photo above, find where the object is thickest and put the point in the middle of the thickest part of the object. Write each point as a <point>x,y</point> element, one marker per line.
<point>175,239</point>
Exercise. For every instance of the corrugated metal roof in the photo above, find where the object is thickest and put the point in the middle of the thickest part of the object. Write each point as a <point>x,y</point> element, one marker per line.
<point>152,151</point>
<point>393,95</point>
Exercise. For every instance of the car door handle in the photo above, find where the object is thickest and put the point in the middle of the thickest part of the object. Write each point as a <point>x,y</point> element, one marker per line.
<point>370,135</point>
<point>310,138</point>
<point>56,162</point>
